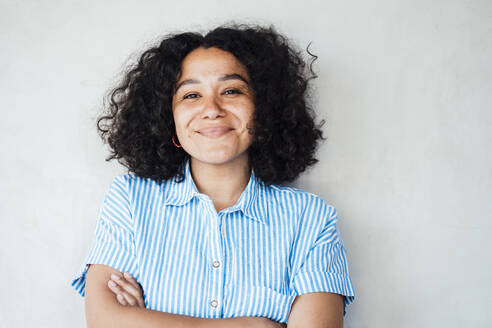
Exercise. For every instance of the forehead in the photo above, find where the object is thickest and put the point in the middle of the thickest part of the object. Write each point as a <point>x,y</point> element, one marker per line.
<point>211,61</point>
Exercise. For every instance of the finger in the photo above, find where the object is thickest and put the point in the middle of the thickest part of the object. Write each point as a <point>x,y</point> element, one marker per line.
<point>124,297</point>
<point>118,291</point>
<point>135,284</point>
<point>113,286</point>
<point>127,287</point>
<point>131,280</point>
<point>129,299</point>
<point>121,300</point>
<point>121,295</point>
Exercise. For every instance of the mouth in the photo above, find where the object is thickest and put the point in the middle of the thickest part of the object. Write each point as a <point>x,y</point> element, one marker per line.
<point>214,132</point>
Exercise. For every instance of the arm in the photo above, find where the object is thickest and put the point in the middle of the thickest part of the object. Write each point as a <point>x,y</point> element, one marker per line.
<point>317,310</point>
<point>103,310</point>
<point>321,277</point>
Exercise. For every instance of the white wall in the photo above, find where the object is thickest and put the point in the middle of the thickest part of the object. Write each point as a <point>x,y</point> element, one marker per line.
<point>405,86</point>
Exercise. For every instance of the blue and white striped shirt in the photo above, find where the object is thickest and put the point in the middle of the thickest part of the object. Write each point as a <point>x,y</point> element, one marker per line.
<point>251,259</point>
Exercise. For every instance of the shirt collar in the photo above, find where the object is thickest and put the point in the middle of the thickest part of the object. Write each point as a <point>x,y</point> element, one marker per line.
<point>180,193</point>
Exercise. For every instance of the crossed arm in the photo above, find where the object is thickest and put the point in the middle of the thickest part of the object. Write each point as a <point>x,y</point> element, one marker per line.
<point>313,310</point>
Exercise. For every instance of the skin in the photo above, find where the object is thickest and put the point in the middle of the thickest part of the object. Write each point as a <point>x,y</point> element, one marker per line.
<point>214,89</point>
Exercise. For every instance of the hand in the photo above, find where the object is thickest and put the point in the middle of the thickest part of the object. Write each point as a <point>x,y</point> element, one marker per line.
<point>126,289</point>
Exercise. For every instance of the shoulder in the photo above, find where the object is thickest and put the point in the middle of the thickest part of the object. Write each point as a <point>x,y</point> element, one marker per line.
<point>132,185</point>
<point>131,178</point>
<point>305,197</point>
<point>306,203</point>
<point>128,196</point>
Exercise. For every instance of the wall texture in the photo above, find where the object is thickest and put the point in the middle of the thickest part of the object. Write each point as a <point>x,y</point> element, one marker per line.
<point>405,87</point>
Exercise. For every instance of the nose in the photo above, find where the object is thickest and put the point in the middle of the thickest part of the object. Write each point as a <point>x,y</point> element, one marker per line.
<point>212,108</point>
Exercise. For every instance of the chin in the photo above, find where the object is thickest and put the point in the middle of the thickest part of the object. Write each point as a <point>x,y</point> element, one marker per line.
<point>215,160</point>
<point>216,157</point>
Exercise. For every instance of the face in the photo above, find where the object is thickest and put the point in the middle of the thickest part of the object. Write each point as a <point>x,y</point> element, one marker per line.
<point>213,107</point>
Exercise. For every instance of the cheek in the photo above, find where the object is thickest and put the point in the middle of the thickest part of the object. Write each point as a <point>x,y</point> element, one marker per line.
<point>249,118</point>
<point>181,119</point>
<point>250,110</point>
<point>244,110</point>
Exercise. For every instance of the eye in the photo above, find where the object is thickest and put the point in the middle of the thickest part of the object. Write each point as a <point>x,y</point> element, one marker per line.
<point>232,91</point>
<point>190,96</point>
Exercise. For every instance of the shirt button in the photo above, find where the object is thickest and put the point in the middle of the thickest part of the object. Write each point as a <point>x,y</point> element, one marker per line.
<point>216,264</point>
<point>214,303</point>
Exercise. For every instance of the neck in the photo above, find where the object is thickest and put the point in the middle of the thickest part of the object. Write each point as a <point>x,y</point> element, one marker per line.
<point>223,183</point>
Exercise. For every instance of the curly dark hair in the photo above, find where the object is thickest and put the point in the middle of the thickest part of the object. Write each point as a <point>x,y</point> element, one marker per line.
<point>138,124</point>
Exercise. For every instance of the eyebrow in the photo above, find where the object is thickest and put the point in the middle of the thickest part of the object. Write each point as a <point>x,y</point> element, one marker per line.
<point>226,77</point>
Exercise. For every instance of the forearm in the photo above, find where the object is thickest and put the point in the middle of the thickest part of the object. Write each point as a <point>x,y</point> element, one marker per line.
<point>103,310</point>
<point>135,317</point>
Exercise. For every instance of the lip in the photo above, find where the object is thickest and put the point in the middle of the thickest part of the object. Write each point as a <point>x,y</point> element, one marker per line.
<point>215,131</point>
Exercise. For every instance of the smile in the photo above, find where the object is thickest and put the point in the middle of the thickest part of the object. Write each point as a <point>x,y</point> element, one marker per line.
<point>214,132</point>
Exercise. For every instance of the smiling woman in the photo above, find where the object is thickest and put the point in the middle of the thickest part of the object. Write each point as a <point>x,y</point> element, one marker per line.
<point>202,230</point>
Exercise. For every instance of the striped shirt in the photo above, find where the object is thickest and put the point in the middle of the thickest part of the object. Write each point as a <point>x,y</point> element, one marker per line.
<point>251,259</point>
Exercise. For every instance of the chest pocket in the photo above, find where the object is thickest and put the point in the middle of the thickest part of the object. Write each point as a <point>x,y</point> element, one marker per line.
<point>257,301</point>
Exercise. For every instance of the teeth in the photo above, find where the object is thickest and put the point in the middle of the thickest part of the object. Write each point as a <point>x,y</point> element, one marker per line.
<point>214,132</point>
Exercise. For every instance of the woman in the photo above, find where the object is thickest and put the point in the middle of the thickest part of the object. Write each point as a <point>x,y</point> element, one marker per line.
<point>202,231</point>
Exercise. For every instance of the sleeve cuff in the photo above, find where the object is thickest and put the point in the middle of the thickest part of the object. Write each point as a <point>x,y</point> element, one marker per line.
<point>122,262</point>
<point>322,281</point>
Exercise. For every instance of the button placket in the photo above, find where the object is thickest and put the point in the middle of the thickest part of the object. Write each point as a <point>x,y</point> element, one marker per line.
<point>216,276</point>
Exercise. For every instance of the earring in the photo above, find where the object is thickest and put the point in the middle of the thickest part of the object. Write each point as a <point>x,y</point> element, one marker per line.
<point>174,142</point>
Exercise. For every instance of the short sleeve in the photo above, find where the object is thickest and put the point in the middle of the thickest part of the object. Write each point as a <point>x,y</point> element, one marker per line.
<point>113,242</point>
<point>323,266</point>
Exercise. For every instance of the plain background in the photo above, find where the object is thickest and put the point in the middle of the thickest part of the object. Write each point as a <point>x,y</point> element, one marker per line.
<point>406,90</point>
